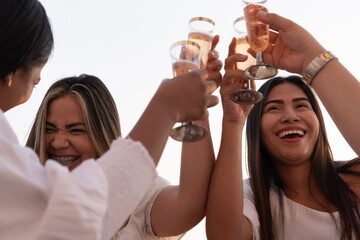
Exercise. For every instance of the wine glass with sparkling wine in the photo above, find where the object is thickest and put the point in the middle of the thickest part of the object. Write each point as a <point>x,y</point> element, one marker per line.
<point>200,31</point>
<point>186,57</point>
<point>258,37</point>
<point>244,96</point>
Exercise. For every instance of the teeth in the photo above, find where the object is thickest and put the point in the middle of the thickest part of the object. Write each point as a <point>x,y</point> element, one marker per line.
<point>285,133</point>
<point>65,160</point>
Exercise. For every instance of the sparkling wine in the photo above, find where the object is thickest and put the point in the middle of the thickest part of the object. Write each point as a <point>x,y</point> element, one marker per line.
<point>184,66</point>
<point>258,32</point>
<point>242,46</point>
<point>204,40</point>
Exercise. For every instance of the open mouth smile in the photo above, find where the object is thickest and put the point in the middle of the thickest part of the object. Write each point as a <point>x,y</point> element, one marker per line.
<point>65,160</point>
<point>290,134</point>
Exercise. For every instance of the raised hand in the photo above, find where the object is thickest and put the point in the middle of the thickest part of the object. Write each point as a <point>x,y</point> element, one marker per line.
<point>234,80</point>
<point>187,96</point>
<point>291,47</point>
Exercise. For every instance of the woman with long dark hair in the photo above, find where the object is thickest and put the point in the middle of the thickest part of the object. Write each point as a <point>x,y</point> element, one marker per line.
<point>295,188</point>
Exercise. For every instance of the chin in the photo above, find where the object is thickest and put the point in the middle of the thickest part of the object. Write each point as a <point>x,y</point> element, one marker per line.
<point>297,160</point>
<point>293,159</point>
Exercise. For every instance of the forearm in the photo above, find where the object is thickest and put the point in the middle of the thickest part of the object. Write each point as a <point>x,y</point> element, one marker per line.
<point>153,127</point>
<point>225,200</point>
<point>339,92</point>
<point>197,162</point>
<point>186,203</point>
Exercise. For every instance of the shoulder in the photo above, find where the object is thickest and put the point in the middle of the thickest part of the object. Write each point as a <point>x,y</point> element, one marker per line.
<point>349,171</point>
<point>348,168</point>
<point>139,224</point>
<point>248,193</point>
<point>343,165</point>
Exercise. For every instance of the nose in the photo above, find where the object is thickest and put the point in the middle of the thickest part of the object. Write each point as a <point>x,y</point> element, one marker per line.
<point>289,116</point>
<point>60,140</point>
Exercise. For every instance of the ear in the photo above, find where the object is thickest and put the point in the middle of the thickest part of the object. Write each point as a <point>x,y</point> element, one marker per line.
<point>8,79</point>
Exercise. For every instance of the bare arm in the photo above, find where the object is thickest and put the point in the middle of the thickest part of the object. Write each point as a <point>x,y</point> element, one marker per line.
<point>179,208</point>
<point>225,218</point>
<point>339,91</point>
<point>293,49</point>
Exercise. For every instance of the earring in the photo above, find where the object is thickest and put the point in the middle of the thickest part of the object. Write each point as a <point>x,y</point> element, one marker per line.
<point>10,81</point>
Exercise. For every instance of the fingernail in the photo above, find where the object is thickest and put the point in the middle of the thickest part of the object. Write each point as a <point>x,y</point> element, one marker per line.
<point>204,73</point>
<point>211,86</point>
<point>262,14</point>
<point>214,54</point>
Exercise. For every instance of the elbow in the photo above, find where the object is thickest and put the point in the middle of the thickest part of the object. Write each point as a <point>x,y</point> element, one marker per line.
<point>219,231</point>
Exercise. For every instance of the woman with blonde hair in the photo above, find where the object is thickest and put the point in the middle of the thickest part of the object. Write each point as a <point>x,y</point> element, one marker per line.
<point>77,121</point>
<point>49,202</point>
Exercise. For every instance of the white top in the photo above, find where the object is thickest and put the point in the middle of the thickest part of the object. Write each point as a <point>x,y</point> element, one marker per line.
<point>139,224</point>
<point>49,202</point>
<point>300,222</point>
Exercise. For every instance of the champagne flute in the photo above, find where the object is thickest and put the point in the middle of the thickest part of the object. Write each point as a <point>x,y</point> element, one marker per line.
<point>258,36</point>
<point>244,96</point>
<point>200,31</point>
<point>186,57</point>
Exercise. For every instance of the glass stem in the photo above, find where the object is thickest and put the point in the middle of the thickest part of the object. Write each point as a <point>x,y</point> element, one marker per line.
<point>248,85</point>
<point>259,57</point>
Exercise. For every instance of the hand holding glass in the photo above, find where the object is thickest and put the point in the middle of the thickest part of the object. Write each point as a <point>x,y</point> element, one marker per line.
<point>185,57</point>
<point>244,96</point>
<point>258,36</point>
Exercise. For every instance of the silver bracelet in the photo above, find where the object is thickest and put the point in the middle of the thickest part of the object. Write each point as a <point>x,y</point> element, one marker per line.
<point>316,65</point>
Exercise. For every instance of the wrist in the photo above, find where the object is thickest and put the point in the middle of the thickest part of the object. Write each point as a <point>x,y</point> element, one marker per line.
<point>239,125</point>
<point>160,108</point>
<point>316,65</point>
<point>162,103</point>
<point>309,57</point>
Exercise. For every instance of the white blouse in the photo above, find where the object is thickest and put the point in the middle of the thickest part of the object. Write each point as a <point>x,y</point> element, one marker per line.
<point>139,224</point>
<point>300,222</point>
<point>49,202</point>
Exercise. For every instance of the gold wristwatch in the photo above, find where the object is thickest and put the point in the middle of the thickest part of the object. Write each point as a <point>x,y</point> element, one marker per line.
<point>316,65</point>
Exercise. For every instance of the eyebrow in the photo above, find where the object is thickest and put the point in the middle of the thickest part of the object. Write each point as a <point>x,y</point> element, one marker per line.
<point>71,125</point>
<point>282,102</point>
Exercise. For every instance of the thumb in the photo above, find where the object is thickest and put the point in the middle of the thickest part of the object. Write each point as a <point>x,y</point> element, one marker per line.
<point>210,86</point>
<point>212,101</point>
<point>275,21</point>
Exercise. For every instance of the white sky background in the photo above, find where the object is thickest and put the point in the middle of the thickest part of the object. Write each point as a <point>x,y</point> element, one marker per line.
<point>126,44</point>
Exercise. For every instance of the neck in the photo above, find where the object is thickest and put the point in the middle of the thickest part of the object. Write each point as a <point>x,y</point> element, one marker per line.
<point>295,179</point>
<point>5,99</point>
<point>300,187</point>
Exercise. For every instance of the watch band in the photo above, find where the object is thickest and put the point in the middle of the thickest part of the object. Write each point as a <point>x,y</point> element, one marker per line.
<point>316,65</point>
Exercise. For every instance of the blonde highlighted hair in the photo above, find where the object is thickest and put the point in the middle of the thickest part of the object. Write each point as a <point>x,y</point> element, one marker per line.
<point>97,106</point>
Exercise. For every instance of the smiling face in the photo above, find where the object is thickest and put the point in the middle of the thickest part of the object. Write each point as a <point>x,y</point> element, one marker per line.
<point>289,126</point>
<point>66,137</point>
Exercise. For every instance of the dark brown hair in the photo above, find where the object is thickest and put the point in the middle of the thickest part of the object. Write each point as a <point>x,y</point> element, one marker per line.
<point>263,175</point>
<point>26,38</point>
